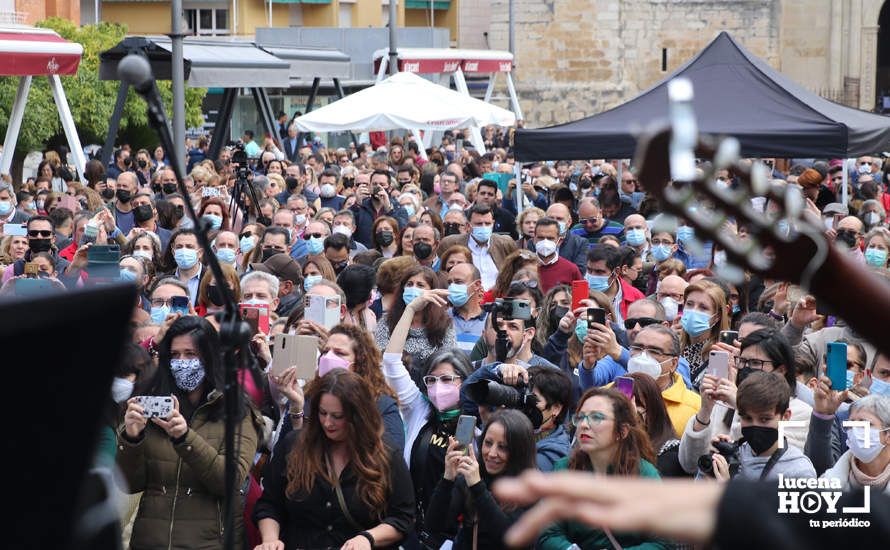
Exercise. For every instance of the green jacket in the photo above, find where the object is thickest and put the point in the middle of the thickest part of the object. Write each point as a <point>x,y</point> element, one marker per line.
<point>563,534</point>
<point>184,484</point>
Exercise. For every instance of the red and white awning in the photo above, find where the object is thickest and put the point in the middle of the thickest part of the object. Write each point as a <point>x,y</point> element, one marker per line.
<point>29,51</point>
<point>448,60</point>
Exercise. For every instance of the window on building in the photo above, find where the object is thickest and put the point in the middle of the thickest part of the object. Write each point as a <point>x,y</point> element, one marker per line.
<point>208,21</point>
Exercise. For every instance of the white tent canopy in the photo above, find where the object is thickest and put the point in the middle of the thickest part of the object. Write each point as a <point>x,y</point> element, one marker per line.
<point>405,101</point>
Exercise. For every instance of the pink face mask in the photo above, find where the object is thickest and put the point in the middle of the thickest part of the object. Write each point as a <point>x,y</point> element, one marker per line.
<point>443,396</point>
<point>437,188</point>
<point>330,361</point>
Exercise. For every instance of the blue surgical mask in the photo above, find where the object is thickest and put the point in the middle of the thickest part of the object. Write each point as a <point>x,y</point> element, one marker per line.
<point>482,233</point>
<point>226,255</point>
<point>850,375</point>
<point>458,294</point>
<point>5,207</point>
<point>246,244</point>
<point>410,293</point>
<point>315,245</point>
<point>581,329</point>
<point>661,252</point>
<point>186,258</point>
<point>875,257</point>
<point>879,387</point>
<point>215,221</point>
<point>562,228</point>
<point>597,282</point>
<point>635,237</point>
<point>310,281</point>
<point>159,314</point>
<point>685,233</point>
<point>695,323</point>
<point>128,276</point>
<point>409,208</point>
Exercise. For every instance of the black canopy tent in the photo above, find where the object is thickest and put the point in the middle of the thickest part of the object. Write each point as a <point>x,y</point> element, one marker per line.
<point>736,94</point>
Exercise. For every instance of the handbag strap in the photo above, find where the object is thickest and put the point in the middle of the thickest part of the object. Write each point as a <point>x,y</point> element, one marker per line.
<point>340,499</point>
<point>772,461</point>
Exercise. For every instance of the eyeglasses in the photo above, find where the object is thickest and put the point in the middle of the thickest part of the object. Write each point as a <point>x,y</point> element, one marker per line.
<point>756,364</point>
<point>307,236</point>
<point>45,233</point>
<point>592,419</point>
<point>636,350</point>
<point>522,285</point>
<point>160,302</point>
<point>642,321</point>
<point>445,379</point>
<point>586,221</point>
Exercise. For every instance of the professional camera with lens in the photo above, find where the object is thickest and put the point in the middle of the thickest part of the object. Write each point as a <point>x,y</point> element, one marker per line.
<point>510,308</point>
<point>240,163</point>
<point>729,450</point>
<point>488,393</point>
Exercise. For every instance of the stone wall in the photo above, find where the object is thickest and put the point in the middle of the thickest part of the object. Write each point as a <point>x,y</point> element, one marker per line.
<point>580,57</point>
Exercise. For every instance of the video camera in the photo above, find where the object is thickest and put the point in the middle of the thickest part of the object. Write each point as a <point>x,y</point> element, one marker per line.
<point>729,450</point>
<point>240,163</point>
<point>494,394</point>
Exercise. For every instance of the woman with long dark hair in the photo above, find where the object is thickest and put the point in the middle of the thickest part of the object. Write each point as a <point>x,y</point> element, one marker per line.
<point>431,330</point>
<point>337,485</point>
<point>657,423</point>
<point>178,462</point>
<point>610,441</point>
<point>462,497</point>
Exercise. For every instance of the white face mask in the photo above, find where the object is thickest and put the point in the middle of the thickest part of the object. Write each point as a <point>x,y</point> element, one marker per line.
<point>671,308</point>
<point>872,218</point>
<point>720,258</point>
<point>343,230</point>
<point>644,364</point>
<point>856,442</point>
<point>121,389</point>
<point>545,248</point>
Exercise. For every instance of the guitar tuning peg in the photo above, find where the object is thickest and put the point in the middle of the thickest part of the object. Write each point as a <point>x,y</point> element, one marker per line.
<point>759,179</point>
<point>727,153</point>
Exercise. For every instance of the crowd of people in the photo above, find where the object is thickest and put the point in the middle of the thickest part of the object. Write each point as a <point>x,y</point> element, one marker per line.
<point>581,328</point>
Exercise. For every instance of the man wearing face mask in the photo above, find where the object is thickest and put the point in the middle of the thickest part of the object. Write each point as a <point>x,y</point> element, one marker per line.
<point>167,179</point>
<point>465,293</point>
<point>187,256</point>
<point>426,242</point>
<point>455,222</point>
<point>8,212</point>
<point>42,238</point>
<point>572,247</point>
<point>290,278</point>
<point>145,215</point>
<point>762,402</point>
<point>602,265</point>
<point>670,293</point>
<point>328,190</point>
<point>848,234</point>
<point>344,224</point>
<point>123,202</point>
<point>489,250</point>
<point>553,269</point>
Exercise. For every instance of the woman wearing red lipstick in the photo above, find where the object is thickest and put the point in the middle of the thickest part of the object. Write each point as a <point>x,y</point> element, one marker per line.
<point>610,441</point>
<point>338,485</point>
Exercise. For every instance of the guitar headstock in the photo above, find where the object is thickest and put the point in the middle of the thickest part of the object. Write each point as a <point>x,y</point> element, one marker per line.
<point>791,251</point>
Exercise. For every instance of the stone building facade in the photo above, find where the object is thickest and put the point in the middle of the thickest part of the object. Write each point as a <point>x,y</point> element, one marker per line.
<point>575,58</point>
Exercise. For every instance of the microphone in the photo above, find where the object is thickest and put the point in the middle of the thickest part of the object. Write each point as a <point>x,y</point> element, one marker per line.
<point>135,71</point>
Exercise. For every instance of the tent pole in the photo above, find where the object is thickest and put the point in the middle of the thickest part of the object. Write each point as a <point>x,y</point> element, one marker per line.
<point>177,83</point>
<point>514,100</point>
<point>310,103</point>
<point>223,122</point>
<point>419,140</point>
<point>115,123</point>
<point>476,135</point>
<point>384,62</point>
<point>55,84</point>
<point>15,123</point>
<point>341,95</point>
<point>846,175</point>
<point>517,174</point>
<point>489,90</point>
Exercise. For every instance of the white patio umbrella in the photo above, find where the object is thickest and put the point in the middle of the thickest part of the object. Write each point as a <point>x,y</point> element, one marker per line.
<point>405,101</point>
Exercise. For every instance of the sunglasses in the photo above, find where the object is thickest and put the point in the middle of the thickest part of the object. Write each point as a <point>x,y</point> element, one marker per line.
<point>307,236</point>
<point>522,285</point>
<point>45,233</point>
<point>245,234</point>
<point>642,321</point>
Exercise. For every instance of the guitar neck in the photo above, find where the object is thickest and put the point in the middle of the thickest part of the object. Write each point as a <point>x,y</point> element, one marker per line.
<point>858,296</point>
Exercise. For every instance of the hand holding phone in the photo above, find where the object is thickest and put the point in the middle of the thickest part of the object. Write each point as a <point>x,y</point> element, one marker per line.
<point>155,406</point>
<point>466,426</point>
<point>580,291</point>
<point>179,304</point>
<point>595,315</point>
<point>836,365</point>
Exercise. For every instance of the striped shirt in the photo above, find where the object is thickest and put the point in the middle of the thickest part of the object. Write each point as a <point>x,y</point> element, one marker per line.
<point>609,228</point>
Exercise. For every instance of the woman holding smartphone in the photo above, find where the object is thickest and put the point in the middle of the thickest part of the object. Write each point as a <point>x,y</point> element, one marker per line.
<point>462,500</point>
<point>178,462</point>
<point>337,484</point>
<point>611,441</point>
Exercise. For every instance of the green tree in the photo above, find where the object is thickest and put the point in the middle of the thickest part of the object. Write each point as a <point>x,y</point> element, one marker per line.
<point>91,100</point>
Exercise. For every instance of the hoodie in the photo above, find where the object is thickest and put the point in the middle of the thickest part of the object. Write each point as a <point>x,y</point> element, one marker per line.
<point>552,448</point>
<point>792,463</point>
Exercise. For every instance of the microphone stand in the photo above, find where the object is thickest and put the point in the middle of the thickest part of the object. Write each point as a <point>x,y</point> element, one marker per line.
<point>234,333</point>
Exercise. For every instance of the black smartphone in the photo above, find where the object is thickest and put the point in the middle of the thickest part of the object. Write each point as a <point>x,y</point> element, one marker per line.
<point>179,304</point>
<point>729,336</point>
<point>595,315</point>
<point>466,426</point>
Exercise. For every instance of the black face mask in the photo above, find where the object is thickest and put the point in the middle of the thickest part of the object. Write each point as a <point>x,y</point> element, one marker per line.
<point>340,266</point>
<point>384,238</point>
<point>556,315</point>
<point>292,183</point>
<point>742,374</point>
<point>348,183</point>
<point>142,164</point>
<point>422,251</point>
<point>168,188</point>
<point>760,438</point>
<point>107,193</point>
<point>846,237</point>
<point>156,188</point>
<point>142,213</point>
<point>123,195</point>
<point>180,210</point>
<point>39,245</point>
<point>264,220</point>
<point>215,295</point>
<point>452,228</point>
<point>269,252</point>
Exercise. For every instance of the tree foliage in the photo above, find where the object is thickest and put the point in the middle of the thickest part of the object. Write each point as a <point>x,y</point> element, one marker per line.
<point>91,100</point>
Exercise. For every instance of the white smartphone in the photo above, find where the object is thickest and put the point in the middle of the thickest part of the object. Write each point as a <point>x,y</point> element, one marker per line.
<point>14,230</point>
<point>155,406</point>
<point>324,310</point>
<point>718,364</point>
